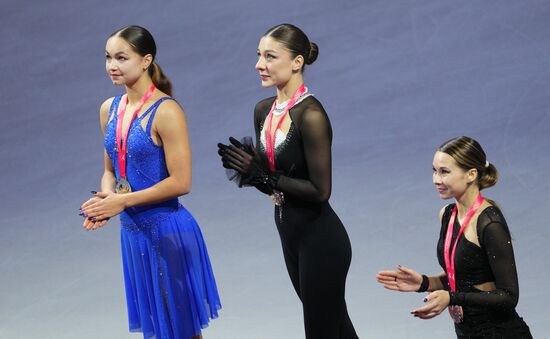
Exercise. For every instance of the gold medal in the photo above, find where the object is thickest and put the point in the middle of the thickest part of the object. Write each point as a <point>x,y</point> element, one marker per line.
<point>123,186</point>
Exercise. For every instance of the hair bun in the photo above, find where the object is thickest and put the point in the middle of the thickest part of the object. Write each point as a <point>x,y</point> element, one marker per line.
<point>313,53</point>
<point>489,177</point>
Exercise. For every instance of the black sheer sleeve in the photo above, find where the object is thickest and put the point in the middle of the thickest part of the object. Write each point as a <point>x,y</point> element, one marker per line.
<point>316,133</point>
<point>444,281</point>
<point>495,239</point>
<point>260,113</point>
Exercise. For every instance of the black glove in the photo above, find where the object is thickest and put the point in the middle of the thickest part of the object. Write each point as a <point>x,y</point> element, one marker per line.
<point>243,159</point>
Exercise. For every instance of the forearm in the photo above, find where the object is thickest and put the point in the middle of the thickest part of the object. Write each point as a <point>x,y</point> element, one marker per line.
<point>166,189</point>
<point>265,189</point>
<point>495,237</point>
<point>302,189</point>
<point>108,182</point>
<point>498,299</point>
<point>436,282</point>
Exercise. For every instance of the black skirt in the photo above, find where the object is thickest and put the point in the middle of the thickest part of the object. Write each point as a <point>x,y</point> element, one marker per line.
<point>488,325</point>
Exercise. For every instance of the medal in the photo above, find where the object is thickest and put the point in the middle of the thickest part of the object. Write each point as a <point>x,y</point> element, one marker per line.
<point>456,313</point>
<point>122,185</point>
<point>454,310</point>
<point>278,198</point>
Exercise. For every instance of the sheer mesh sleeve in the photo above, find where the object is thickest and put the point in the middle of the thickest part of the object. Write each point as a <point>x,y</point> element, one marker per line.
<point>444,281</point>
<point>259,115</point>
<point>495,239</point>
<point>316,134</point>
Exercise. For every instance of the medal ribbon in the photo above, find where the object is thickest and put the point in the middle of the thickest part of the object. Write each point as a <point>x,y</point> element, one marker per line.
<point>450,257</point>
<point>121,143</point>
<point>269,137</point>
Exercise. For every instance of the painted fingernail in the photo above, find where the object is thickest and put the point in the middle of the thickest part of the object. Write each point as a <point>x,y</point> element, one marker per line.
<point>92,219</point>
<point>425,299</point>
<point>93,192</point>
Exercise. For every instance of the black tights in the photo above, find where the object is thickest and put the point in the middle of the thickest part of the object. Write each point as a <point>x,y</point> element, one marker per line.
<point>317,261</point>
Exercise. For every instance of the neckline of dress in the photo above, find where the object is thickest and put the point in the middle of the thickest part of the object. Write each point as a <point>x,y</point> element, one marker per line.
<point>280,107</point>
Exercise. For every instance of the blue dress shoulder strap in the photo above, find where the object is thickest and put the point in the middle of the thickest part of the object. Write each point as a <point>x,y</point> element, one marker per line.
<point>152,111</point>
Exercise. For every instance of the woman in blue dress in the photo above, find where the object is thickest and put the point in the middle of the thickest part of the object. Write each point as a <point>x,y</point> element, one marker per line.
<point>170,288</point>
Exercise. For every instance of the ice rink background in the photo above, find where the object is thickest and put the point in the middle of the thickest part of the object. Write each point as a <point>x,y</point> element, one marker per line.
<point>397,79</point>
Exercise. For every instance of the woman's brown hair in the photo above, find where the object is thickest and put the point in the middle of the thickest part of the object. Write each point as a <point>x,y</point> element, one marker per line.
<point>296,41</point>
<point>143,43</point>
<point>468,154</point>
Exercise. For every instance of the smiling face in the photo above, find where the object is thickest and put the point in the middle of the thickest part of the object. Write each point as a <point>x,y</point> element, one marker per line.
<point>123,64</point>
<point>450,180</point>
<point>275,63</point>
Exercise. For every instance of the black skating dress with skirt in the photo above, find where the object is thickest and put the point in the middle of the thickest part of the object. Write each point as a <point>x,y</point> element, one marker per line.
<point>486,314</point>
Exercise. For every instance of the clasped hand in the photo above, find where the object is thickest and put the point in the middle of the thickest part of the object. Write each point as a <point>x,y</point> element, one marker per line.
<point>436,302</point>
<point>100,208</point>
<point>243,159</point>
<point>236,156</point>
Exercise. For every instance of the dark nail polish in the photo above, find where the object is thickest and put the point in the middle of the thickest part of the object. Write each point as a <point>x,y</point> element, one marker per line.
<point>93,192</point>
<point>425,299</point>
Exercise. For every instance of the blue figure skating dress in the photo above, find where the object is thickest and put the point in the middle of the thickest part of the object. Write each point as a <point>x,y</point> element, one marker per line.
<point>170,288</point>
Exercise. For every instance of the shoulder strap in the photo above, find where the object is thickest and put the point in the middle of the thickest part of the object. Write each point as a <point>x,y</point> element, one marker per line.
<point>153,110</point>
<point>114,108</point>
<point>447,214</point>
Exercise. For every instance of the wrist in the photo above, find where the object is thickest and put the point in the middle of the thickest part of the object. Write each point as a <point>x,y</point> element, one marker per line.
<point>126,199</point>
<point>273,180</point>
<point>456,298</point>
<point>452,298</point>
<point>424,285</point>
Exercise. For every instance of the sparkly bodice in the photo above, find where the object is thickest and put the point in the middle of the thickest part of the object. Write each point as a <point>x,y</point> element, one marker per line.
<point>280,136</point>
<point>472,264</point>
<point>491,261</point>
<point>302,156</point>
<point>145,164</point>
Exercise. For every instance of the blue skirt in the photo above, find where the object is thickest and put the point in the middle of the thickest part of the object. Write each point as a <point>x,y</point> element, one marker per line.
<point>170,288</point>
